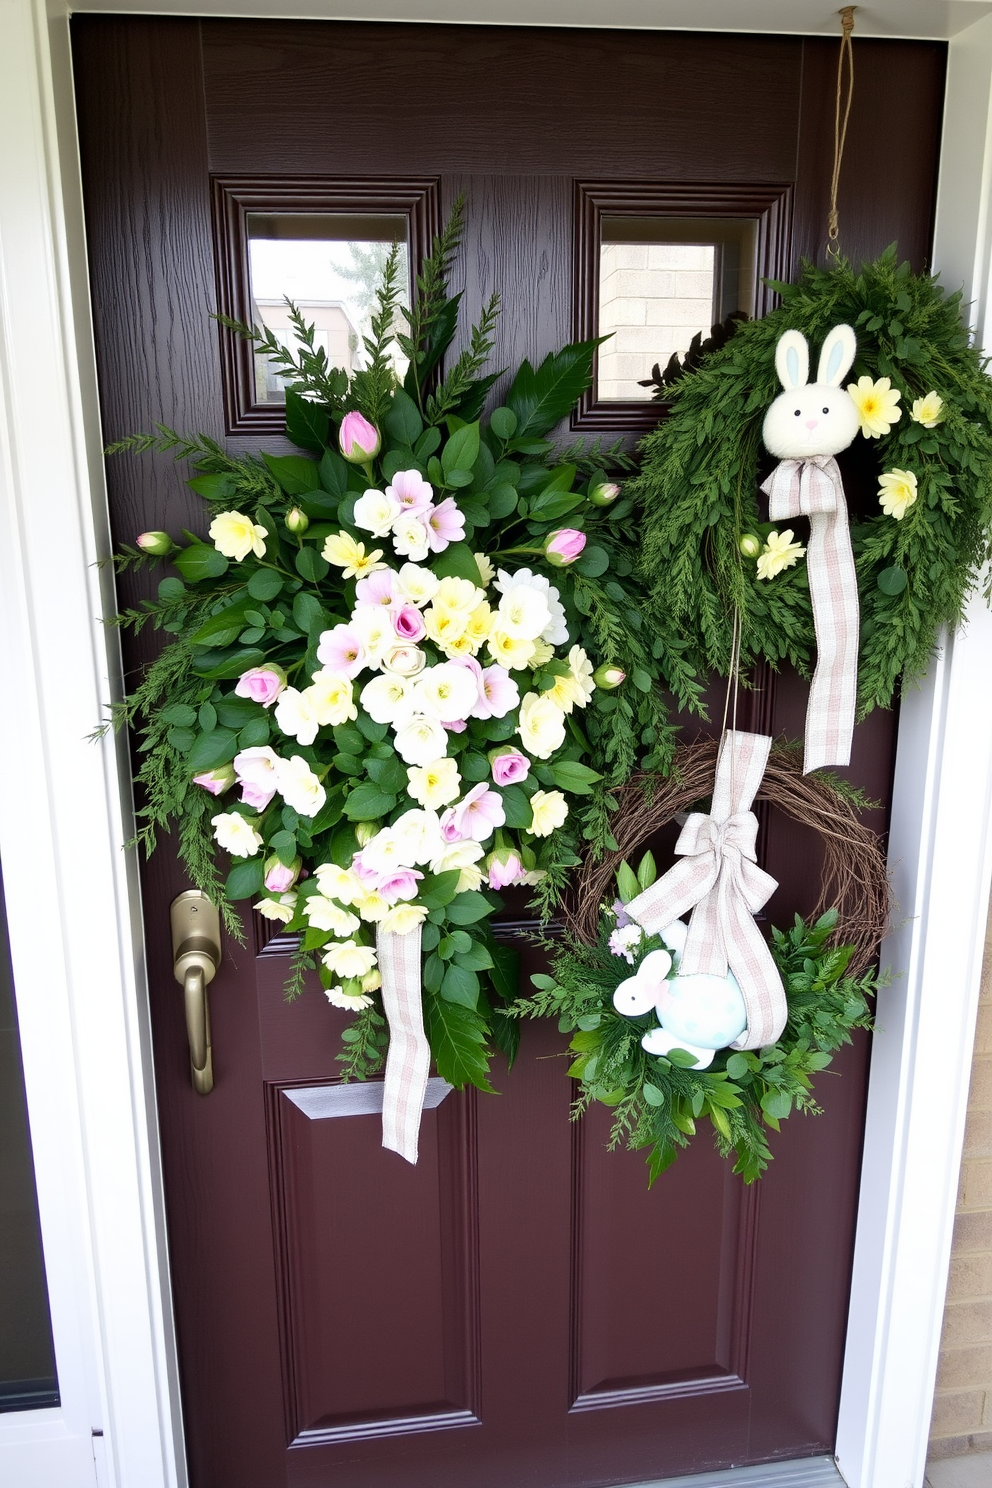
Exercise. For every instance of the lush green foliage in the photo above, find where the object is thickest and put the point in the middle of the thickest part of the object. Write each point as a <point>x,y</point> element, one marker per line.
<point>658,1100</point>
<point>698,487</point>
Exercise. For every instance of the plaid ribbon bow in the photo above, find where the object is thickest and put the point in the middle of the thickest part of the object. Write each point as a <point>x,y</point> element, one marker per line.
<point>409,1059</point>
<point>813,488</point>
<point>720,881</point>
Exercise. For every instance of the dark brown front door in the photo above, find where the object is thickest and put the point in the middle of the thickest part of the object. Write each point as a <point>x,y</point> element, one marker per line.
<point>517,1309</point>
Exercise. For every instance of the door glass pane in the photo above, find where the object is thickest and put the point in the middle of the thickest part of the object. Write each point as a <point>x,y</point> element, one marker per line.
<point>663,281</point>
<point>27,1358</point>
<point>331,266</point>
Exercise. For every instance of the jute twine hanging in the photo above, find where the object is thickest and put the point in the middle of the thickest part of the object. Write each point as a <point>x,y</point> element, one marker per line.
<point>840,123</point>
<point>854,881</point>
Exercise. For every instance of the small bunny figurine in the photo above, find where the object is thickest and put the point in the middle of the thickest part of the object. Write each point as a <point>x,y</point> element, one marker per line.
<point>806,426</point>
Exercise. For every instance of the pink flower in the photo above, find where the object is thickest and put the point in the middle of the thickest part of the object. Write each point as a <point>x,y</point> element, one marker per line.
<point>279,878</point>
<point>341,651</point>
<point>509,767</point>
<point>445,524</point>
<point>262,684</point>
<point>500,694</point>
<point>504,868</point>
<point>411,491</point>
<point>408,623</point>
<point>564,546</point>
<point>358,440</point>
<point>369,876</point>
<point>256,772</point>
<point>475,817</point>
<point>378,589</point>
<point>456,726</point>
<point>216,781</point>
<point>400,885</point>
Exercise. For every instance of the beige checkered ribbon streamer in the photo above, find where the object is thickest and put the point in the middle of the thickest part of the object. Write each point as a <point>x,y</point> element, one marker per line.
<point>813,488</point>
<point>720,881</point>
<point>409,1057</point>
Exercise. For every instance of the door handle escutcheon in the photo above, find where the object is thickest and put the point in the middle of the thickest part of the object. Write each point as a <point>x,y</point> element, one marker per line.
<point>195,958</point>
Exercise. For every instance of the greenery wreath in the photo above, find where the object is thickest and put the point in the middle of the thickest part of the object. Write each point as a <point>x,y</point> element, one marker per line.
<point>926,408</point>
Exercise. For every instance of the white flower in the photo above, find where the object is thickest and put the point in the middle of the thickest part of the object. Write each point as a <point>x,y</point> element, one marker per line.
<point>403,918</point>
<point>236,835</point>
<point>337,882</point>
<point>624,942</point>
<point>388,699</point>
<point>281,908</point>
<point>434,784</point>
<point>348,959</point>
<point>459,594</point>
<point>419,835</point>
<point>542,725</point>
<point>523,612</point>
<point>384,852</point>
<point>332,699</point>
<point>405,661</point>
<point>410,536</point>
<point>486,571</point>
<point>376,511</point>
<point>447,692</point>
<point>375,630</point>
<point>548,811</point>
<point>324,914</point>
<point>580,673</point>
<point>556,631</point>
<point>295,715</point>
<point>351,1002</point>
<point>465,857</point>
<point>420,740</point>
<point>417,585</point>
<point>299,786</point>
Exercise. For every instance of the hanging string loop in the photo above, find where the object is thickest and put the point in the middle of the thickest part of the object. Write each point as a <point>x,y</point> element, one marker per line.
<point>841,117</point>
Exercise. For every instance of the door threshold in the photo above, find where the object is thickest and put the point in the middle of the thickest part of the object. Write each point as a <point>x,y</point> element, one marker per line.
<point>806,1472</point>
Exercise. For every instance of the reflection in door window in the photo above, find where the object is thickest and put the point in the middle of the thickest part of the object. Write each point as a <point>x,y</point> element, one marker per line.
<point>331,266</point>
<point>663,281</point>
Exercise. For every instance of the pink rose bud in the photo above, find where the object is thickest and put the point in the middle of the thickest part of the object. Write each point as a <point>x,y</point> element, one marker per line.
<point>358,440</point>
<point>750,545</point>
<point>408,623</point>
<point>604,494</point>
<point>509,766</point>
<point>564,546</point>
<point>262,684</point>
<point>216,781</point>
<point>279,878</point>
<point>503,867</point>
<point>296,520</point>
<point>607,677</point>
<point>158,544</point>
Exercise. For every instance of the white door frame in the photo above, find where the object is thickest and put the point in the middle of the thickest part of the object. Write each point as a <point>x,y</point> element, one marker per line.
<point>73,897</point>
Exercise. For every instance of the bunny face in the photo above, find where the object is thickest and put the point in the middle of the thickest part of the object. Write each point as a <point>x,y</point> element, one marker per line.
<point>812,418</point>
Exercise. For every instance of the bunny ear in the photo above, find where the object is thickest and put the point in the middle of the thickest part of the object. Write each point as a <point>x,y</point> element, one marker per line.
<point>837,356</point>
<point>792,360</point>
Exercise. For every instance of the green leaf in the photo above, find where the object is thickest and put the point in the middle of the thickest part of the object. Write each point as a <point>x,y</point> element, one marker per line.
<point>476,958</point>
<point>294,474</point>
<point>311,566</point>
<point>254,733</point>
<point>389,774</point>
<point>457,1037</point>
<point>684,1060</point>
<point>892,580</point>
<point>468,907</point>
<point>348,739</point>
<point>179,714</point>
<point>456,562</point>
<point>308,612</point>
<point>283,844</point>
<point>403,421</point>
<point>461,450</point>
<point>737,1066</point>
<point>516,804</point>
<point>569,775</point>
<point>200,561</point>
<point>307,425</point>
<point>218,487</point>
<point>538,399</point>
<point>211,750</point>
<point>207,717</point>
<point>627,884</point>
<point>265,584</point>
<point>474,767</point>
<point>170,589</point>
<point>593,561</point>
<point>181,739</point>
<point>777,1104</point>
<point>222,629</point>
<point>367,801</point>
<point>505,970</point>
<point>245,879</point>
<point>502,501</point>
<point>222,665</point>
<point>234,712</point>
<point>460,985</point>
<point>503,422</point>
<point>652,1094</point>
<point>333,473</point>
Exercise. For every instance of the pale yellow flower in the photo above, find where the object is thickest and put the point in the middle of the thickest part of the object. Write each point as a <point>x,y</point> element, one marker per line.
<point>877,404</point>
<point>563,693</point>
<point>331,698</point>
<point>542,653</point>
<point>236,835</point>
<point>281,909</point>
<point>548,811</point>
<point>371,981</point>
<point>464,646</point>
<point>337,883</point>
<point>403,918</point>
<point>465,857</point>
<point>480,623</point>
<point>509,651</point>
<point>780,551</point>
<point>351,1002</point>
<point>581,674</point>
<point>928,411</point>
<point>350,556</point>
<point>372,907</point>
<point>458,594</point>
<point>445,625</point>
<point>324,914</point>
<point>486,571</point>
<point>235,535</point>
<point>435,784</point>
<point>897,491</point>
<point>542,725</point>
<point>348,959</point>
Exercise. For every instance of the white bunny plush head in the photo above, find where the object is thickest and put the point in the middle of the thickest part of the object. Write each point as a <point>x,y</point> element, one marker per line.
<point>812,418</point>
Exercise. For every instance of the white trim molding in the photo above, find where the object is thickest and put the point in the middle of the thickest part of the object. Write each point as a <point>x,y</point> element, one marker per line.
<point>72,895</point>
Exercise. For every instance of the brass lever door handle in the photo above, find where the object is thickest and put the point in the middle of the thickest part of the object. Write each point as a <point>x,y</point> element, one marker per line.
<point>195,958</point>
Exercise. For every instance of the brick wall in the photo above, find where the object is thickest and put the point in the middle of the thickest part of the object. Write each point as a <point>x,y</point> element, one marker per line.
<point>653,298</point>
<point>962,1411</point>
